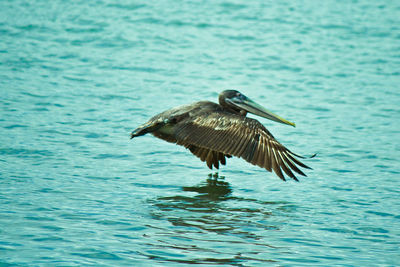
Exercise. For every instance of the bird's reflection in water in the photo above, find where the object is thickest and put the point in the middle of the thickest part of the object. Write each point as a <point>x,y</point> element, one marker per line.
<point>214,209</point>
<point>221,228</point>
<point>214,188</point>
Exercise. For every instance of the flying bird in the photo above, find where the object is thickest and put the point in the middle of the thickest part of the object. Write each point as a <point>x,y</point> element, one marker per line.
<point>214,132</point>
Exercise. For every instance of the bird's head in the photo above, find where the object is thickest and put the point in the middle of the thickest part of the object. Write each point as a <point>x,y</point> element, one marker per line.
<point>238,102</point>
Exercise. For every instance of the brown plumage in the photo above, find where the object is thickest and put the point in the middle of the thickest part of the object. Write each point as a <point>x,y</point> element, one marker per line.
<point>215,132</point>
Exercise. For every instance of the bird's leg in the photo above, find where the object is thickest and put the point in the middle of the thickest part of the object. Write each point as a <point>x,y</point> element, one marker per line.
<point>213,176</point>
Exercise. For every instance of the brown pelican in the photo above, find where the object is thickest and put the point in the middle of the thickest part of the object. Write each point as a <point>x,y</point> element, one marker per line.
<point>213,132</point>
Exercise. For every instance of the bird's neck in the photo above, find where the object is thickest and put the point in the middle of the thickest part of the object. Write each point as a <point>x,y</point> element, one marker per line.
<point>239,112</point>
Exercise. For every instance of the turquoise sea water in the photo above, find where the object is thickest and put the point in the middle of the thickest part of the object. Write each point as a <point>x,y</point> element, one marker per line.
<point>77,76</point>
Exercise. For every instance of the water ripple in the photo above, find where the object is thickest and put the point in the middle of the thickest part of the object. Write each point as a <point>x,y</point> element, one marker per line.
<point>78,76</point>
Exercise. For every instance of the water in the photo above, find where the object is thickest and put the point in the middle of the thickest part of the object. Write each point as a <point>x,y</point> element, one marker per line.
<point>77,76</point>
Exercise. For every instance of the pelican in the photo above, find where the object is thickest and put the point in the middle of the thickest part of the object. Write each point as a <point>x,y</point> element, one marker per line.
<point>214,132</point>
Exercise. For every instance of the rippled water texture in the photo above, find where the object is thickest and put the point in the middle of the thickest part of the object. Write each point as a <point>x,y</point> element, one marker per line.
<point>77,76</point>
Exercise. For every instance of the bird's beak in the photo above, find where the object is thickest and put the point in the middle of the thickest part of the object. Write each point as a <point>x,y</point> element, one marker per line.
<point>249,105</point>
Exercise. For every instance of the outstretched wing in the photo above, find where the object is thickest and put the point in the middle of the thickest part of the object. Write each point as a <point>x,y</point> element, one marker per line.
<point>222,133</point>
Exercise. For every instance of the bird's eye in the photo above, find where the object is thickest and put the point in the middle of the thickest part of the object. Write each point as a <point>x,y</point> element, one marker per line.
<point>240,96</point>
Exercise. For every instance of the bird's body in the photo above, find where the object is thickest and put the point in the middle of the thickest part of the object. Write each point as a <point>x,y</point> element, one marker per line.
<point>214,132</point>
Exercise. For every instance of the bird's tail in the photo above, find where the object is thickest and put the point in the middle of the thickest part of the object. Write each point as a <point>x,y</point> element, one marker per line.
<point>148,127</point>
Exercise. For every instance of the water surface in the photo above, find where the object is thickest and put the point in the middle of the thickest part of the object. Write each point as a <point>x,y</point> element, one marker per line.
<point>77,76</point>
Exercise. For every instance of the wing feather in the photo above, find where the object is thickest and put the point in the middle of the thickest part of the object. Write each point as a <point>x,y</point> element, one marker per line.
<point>221,158</point>
<point>268,156</point>
<point>209,159</point>
<point>212,159</point>
<point>284,167</point>
<point>215,159</point>
<point>291,165</point>
<point>275,165</point>
<point>244,141</point>
<point>261,155</point>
